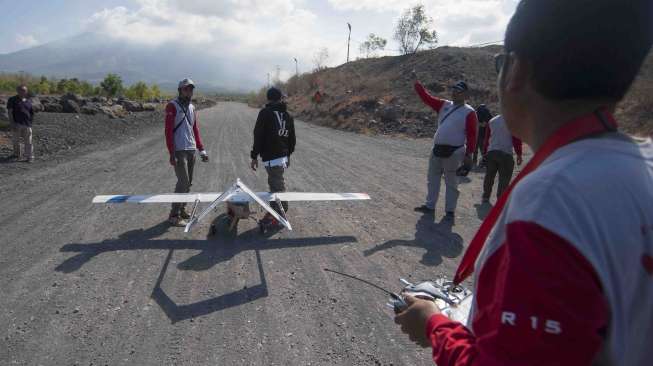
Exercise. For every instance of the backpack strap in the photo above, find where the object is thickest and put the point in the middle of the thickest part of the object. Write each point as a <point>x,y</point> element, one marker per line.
<point>450,113</point>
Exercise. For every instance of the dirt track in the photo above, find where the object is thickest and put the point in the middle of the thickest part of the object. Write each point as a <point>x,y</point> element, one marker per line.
<point>114,285</point>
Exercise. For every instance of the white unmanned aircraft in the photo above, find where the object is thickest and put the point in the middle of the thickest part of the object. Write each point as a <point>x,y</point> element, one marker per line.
<point>237,197</point>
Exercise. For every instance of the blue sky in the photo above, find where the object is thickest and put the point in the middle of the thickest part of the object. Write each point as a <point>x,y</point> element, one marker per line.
<point>274,30</point>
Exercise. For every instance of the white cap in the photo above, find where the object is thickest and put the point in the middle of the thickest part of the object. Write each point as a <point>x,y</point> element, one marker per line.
<point>186,82</point>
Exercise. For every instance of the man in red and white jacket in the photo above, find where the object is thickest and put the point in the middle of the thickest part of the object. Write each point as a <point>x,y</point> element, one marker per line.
<point>183,140</point>
<point>454,143</point>
<point>564,261</point>
<point>497,151</point>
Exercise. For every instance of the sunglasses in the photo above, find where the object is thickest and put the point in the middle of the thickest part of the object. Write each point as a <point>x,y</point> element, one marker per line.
<point>500,60</point>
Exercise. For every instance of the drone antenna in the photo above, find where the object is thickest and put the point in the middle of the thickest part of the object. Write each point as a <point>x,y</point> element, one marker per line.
<point>392,294</point>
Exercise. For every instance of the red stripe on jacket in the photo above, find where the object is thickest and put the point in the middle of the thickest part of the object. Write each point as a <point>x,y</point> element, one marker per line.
<point>471,121</point>
<point>428,99</point>
<point>196,132</point>
<point>171,115</point>
<point>516,143</point>
<point>539,302</point>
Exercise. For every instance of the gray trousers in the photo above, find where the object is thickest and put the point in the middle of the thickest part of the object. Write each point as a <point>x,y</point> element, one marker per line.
<point>184,171</point>
<point>498,162</point>
<point>277,183</point>
<point>24,133</point>
<point>447,167</point>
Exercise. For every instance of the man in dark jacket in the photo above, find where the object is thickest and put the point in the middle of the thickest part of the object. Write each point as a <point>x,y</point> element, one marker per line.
<point>484,116</point>
<point>274,141</point>
<point>21,115</point>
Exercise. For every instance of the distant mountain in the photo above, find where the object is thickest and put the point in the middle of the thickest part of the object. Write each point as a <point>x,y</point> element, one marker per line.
<point>90,56</point>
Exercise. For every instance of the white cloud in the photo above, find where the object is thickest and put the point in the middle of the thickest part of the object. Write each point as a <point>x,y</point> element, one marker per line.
<point>26,40</point>
<point>239,9</point>
<point>268,31</point>
<point>256,35</point>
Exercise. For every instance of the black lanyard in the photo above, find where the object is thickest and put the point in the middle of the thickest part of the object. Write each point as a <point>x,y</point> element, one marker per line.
<point>182,121</point>
<point>449,114</point>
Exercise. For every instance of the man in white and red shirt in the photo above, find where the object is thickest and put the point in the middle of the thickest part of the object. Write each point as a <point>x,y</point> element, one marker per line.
<point>183,140</point>
<point>454,143</point>
<point>563,264</point>
<point>497,150</point>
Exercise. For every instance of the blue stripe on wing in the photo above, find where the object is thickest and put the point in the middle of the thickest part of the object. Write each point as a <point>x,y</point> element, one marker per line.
<point>118,199</point>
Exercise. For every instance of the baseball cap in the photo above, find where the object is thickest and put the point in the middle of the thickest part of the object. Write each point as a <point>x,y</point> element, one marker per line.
<point>186,82</point>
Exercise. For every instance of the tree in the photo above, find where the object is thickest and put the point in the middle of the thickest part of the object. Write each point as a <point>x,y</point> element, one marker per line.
<point>412,30</point>
<point>372,44</point>
<point>43,87</point>
<point>138,91</point>
<point>61,86</point>
<point>86,88</point>
<point>155,91</point>
<point>112,85</point>
<point>320,58</point>
<point>69,86</point>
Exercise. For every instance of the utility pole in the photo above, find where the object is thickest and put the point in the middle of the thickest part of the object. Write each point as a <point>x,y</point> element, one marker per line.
<point>268,80</point>
<point>348,41</point>
<point>296,67</point>
<point>296,75</point>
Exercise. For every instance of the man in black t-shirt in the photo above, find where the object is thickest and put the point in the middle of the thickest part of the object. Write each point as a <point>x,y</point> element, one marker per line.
<point>21,115</point>
<point>274,142</point>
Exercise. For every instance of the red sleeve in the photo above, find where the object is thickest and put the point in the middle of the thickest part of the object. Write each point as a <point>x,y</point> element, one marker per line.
<point>433,102</point>
<point>516,143</point>
<point>171,114</point>
<point>196,132</point>
<point>539,302</point>
<point>486,142</point>
<point>471,122</point>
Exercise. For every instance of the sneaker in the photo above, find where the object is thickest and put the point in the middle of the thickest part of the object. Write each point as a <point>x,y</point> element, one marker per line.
<point>177,221</point>
<point>424,209</point>
<point>184,215</point>
<point>449,216</point>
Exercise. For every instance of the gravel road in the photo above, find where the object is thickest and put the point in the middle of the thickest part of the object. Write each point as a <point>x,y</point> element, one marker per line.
<point>84,284</point>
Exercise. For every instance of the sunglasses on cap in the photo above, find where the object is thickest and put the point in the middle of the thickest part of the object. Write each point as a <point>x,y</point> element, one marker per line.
<point>499,61</point>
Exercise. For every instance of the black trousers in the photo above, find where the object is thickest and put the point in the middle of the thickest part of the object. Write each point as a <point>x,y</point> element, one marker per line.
<point>277,184</point>
<point>498,162</point>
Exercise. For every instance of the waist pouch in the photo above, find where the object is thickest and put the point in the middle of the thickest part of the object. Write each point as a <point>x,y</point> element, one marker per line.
<point>444,151</point>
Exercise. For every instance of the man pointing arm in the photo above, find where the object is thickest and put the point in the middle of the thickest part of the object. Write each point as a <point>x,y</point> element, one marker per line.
<point>454,143</point>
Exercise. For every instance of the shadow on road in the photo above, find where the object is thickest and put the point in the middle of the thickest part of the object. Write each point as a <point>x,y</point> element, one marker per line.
<point>212,251</point>
<point>438,239</point>
<point>177,313</point>
<point>7,160</point>
<point>131,240</point>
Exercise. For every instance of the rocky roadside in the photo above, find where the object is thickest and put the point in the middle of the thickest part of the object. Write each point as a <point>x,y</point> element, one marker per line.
<point>60,132</point>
